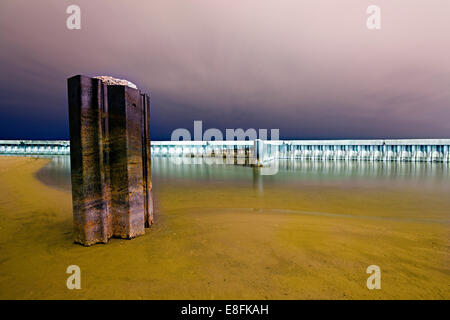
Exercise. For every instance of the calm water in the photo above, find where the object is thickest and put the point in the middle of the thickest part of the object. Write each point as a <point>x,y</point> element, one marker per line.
<point>288,173</point>
<point>394,190</point>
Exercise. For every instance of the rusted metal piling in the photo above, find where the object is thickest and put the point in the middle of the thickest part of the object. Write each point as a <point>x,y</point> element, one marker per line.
<point>110,160</point>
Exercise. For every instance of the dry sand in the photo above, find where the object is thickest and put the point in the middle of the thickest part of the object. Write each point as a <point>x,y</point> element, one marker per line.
<point>203,246</point>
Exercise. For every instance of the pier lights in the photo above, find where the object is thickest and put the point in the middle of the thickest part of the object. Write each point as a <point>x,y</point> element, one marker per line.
<point>377,150</point>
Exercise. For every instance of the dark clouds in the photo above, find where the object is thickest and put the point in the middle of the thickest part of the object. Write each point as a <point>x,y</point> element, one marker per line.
<point>310,68</point>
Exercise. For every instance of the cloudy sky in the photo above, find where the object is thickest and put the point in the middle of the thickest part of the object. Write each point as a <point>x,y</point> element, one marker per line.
<point>308,67</point>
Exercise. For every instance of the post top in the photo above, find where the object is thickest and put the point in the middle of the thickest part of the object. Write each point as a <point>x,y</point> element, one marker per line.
<point>114,81</point>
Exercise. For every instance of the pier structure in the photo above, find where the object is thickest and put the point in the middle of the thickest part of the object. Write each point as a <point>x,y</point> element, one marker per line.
<point>421,150</point>
<point>416,150</point>
<point>35,147</point>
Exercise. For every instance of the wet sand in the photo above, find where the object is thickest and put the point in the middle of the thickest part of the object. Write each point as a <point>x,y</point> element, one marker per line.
<point>216,240</point>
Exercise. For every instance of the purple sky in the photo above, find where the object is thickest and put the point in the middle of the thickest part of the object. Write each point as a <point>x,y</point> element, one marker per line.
<point>308,67</point>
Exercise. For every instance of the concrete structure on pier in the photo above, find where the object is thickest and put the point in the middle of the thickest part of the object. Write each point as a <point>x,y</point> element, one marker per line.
<point>419,150</point>
<point>429,150</point>
<point>110,160</point>
<point>35,147</point>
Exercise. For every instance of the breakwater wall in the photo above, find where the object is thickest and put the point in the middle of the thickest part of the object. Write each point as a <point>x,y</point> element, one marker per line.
<point>420,150</point>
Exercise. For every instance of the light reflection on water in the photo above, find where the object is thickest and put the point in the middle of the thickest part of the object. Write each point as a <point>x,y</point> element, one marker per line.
<point>290,172</point>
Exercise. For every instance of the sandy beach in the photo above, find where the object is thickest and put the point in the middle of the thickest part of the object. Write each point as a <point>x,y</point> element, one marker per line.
<point>226,243</point>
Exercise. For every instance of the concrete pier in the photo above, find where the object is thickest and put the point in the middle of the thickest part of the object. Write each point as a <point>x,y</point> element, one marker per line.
<point>35,147</point>
<point>420,150</point>
<point>416,150</point>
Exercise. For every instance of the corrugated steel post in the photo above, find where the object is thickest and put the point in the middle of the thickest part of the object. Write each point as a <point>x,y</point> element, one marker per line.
<point>110,160</point>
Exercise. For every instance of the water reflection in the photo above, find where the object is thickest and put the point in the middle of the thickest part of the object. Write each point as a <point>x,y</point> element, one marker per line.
<point>390,169</point>
<point>258,181</point>
<point>57,172</point>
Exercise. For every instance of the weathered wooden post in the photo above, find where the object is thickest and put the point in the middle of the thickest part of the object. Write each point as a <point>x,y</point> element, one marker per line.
<point>110,159</point>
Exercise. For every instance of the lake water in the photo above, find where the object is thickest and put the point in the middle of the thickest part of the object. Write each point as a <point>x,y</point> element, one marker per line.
<point>380,189</point>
